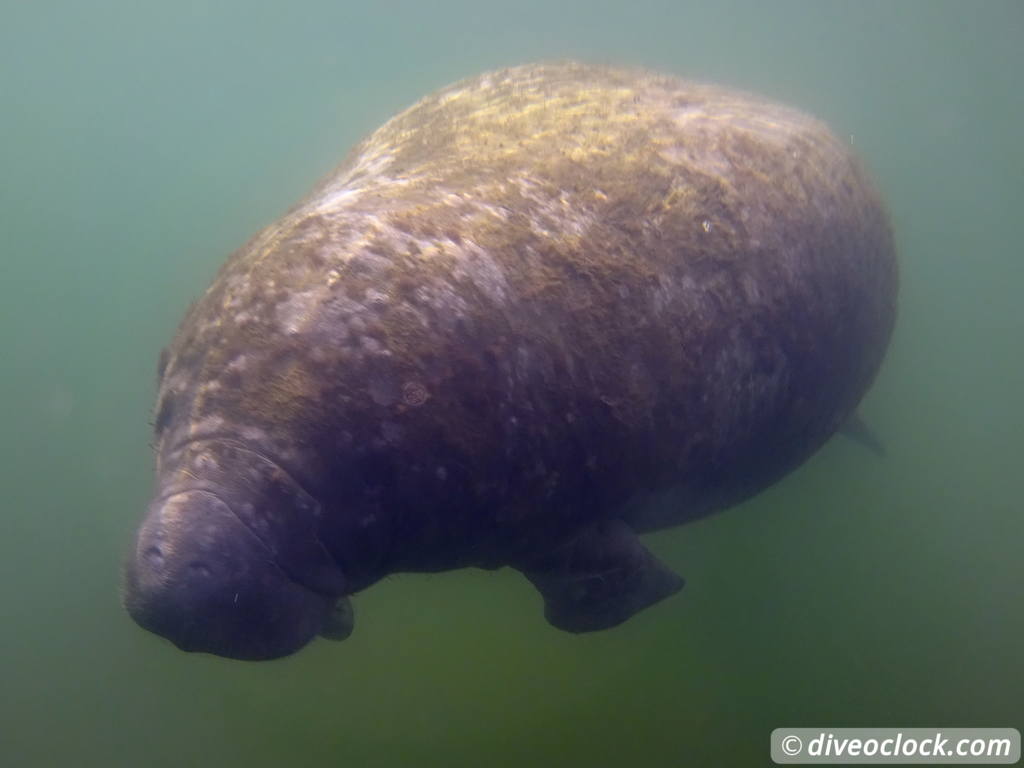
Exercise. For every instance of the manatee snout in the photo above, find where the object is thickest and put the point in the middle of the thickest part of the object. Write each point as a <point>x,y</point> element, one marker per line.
<point>201,578</point>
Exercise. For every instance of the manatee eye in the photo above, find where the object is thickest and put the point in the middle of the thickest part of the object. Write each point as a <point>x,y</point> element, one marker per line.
<point>154,556</point>
<point>164,413</point>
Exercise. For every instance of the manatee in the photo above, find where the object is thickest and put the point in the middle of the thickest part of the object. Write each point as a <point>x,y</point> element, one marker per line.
<point>539,313</point>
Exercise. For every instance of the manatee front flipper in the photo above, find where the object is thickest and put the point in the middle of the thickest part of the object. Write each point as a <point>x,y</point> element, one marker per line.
<point>599,579</point>
<point>339,621</point>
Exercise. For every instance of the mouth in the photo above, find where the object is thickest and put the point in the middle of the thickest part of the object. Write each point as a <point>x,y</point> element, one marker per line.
<point>201,578</point>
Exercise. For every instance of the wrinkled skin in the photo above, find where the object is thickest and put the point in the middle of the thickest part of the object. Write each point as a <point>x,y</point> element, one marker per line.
<point>536,314</point>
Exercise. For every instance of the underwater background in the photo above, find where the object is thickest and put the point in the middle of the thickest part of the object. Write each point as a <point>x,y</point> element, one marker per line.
<point>142,142</point>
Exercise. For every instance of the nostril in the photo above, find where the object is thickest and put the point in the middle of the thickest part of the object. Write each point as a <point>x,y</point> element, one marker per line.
<point>153,557</point>
<point>199,569</point>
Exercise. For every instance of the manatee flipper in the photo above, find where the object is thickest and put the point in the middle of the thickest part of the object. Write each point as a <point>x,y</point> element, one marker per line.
<point>599,579</point>
<point>856,429</point>
<point>339,621</point>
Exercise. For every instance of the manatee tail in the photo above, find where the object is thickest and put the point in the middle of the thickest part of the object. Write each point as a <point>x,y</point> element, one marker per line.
<point>858,430</point>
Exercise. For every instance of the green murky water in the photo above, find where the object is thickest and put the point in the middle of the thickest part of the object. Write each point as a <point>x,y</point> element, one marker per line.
<point>141,142</point>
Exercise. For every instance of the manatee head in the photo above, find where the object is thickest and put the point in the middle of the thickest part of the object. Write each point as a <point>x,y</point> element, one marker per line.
<point>227,559</point>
